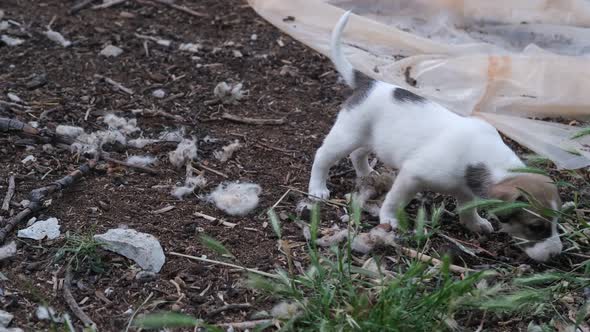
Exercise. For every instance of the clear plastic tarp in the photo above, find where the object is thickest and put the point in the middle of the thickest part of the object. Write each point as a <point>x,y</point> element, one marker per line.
<point>518,64</point>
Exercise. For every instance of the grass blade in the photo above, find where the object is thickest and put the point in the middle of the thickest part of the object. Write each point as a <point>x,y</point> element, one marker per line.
<point>166,320</point>
<point>275,222</point>
<point>215,245</point>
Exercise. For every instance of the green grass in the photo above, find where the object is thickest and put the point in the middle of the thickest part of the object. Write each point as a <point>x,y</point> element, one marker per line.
<point>336,294</point>
<point>82,253</point>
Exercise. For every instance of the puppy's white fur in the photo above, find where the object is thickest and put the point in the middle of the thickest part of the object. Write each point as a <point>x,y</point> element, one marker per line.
<point>429,145</point>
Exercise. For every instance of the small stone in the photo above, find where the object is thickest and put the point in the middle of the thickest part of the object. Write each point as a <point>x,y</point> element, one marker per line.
<point>14,98</point>
<point>11,41</point>
<point>145,276</point>
<point>159,93</point>
<point>190,47</point>
<point>5,318</point>
<point>29,159</point>
<point>111,51</point>
<point>237,54</point>
<point>125,14</point>
<point>4,25</point>
<point>48,148</point>
<point>7,251</point>
<point>254,37</point>
<point>44,228</point>
<point>144,249</point>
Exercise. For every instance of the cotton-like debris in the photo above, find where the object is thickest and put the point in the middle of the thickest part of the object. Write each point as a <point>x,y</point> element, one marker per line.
<point>228,93</point>
<point>57,38</point>
<point>363,242</point>
<point>190,184</point>
<point>172,136</point>
<point>47,313</point>
<point>111,51</point>
<point>11,41</point>
<point>286,310</point>
<point>90,143</point>
<point>141,160</point>
<point>190,47</point>
<point>140,143</point>
<point>185,151</point>
<point>159,93</point>
<point>69,131</point>
<point>236,199</point>
<point>34,124</point>
<point>227,151</point>
<point>123,125</point>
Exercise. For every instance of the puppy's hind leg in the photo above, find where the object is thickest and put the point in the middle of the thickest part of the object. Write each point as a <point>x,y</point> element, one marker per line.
<point>341,141</point>
<point>405,186</point>
<point>360,161</point>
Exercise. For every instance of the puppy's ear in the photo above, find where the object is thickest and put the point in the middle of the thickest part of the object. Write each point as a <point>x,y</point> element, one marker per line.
<point>505,190</point>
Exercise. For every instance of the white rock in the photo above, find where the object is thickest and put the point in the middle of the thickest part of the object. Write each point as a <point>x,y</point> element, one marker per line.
<point>190,47</point>
<point>237,54</point>
<point>141,160</point>
<point>57,38</point>
<point>254,37</point>
<point>29,159</point>
<point>11,41</point>
<point>144,249</point>
<point>159,93</point>
<point>4,25</point>
<point>43,228</point>
<point>111,51</point>
<point>14,97</point>
<point>47,313</point>
<point>7,251</point>
<point>1,14</point>
<point>5,318</point>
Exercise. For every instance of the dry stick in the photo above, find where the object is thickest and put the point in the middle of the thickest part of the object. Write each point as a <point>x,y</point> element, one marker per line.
<point>37,196</point>
<point>262,273</point>
<point>252,121</point>
<point>79,6</point>
<point>9,194</point>
<point>429,259</point>
<point>117,85</point>
<point>249,324</point>
<point>213,219</point>
<point>329,202</point>
<point>108,4</point>
<point>8,125</point>
<point>181,8</point>
<point>139,167</point>
<point>227,307</point>
<point>212,170</point>
<point>72,302</point>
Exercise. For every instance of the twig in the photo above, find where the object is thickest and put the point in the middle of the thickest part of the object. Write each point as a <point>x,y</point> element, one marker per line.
<point>9,193</point>
<point>262,273</point>
<point>117,85</point>
<point>108,4</point>
<point>79,6</point>
<point>181,8</point>
<point>260,144</point>
<point>227,307</point>
<point>136,311</point>
<point>78,312</point>
<point>431,260</point>
<point>210,218</point>
<point>329,202</point>
<point>212,170</point>
<point>38,196</point>
<point>139,167</point>
<point>8,125</point>
<point>252,121</point>
<point>248,324</point>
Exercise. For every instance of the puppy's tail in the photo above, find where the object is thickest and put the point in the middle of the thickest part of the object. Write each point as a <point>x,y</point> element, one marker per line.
<point>342,65</point>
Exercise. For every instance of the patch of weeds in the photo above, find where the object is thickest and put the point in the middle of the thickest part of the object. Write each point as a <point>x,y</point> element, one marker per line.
<point>81,253</point>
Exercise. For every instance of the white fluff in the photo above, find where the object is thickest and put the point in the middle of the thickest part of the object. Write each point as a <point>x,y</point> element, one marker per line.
<point>11,41</point>
<point>185,151</point>
<point>236,199</point>
<point>228,94</point>
<point>227,151</point>
<point>173,136</point>
<point>141,160</point>
<point>90,143</point>
<point>13,97</point>
<point>286,310</point>
<point>123,125</point>
<point>190,47</point>
<point>57,38</point>
<point>190,184</point>
<point>69,131</point>
<point>140,143</point>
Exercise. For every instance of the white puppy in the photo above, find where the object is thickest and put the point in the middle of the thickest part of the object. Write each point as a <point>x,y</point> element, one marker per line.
<point>433,149</point>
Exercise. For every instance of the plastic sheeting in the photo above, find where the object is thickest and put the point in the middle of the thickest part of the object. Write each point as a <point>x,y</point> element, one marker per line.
<point>510,62</point>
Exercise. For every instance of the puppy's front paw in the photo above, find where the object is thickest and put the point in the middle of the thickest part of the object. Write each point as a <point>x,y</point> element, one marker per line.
<point>319,193</point>
<point>388,220</point>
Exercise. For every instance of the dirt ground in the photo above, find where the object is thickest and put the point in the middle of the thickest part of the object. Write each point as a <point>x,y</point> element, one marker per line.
<point>284,79</point>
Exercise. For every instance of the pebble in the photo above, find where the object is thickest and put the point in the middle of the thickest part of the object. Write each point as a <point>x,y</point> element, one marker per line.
<point>111,51</point>
<point>159,93</point>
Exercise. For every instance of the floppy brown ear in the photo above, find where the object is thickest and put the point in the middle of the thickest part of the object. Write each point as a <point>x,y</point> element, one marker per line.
<point>505,190</point>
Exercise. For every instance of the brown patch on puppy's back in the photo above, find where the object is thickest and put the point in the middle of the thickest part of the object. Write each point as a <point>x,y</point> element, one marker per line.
<point>477,177</point>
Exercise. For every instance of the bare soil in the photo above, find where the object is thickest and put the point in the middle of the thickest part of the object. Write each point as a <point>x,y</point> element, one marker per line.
<point>284,79</point>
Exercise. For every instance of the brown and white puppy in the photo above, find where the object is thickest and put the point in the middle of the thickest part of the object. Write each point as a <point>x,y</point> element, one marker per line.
<point>433,149</point>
